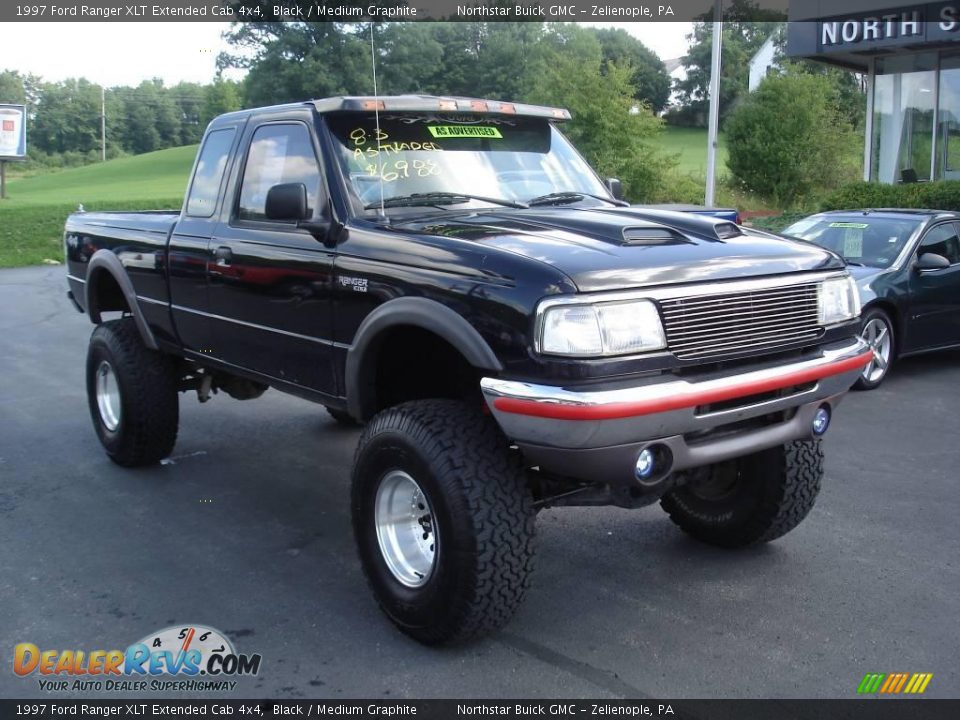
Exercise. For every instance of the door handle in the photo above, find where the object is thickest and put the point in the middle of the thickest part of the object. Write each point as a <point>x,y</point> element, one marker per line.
<point>223,255</point>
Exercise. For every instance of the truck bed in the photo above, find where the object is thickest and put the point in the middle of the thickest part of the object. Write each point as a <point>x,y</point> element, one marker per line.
<point>149,221</point>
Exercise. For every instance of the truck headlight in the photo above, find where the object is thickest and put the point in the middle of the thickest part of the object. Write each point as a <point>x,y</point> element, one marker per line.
<point>601,329</point>
<point>838,300</point>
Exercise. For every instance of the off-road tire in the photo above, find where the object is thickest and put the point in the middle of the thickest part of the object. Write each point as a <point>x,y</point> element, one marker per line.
<point>483,512</point>
<point>149,401</point>
<point>343,418</point>
<point>771,492</point>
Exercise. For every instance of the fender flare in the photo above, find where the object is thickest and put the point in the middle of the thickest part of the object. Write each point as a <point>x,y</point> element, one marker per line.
<point>418,312</point>
<point>105,261</point>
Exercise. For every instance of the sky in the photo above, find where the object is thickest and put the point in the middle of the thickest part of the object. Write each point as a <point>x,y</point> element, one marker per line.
<point>113,53</point>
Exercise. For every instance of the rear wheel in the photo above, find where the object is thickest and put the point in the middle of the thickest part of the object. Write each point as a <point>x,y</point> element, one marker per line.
<point>749,500</point>
<point>877,331</point>
<point>132,394</point>
<point>443,520</point>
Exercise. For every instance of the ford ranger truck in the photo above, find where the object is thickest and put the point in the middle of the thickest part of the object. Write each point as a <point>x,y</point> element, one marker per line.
<point>450,274</point>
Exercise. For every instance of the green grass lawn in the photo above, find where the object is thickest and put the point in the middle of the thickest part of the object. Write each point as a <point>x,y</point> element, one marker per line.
<point>31,219</point>
<point>690,144</point>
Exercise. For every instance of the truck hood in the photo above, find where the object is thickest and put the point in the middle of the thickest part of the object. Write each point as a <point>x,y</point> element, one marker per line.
<point>619,248</point>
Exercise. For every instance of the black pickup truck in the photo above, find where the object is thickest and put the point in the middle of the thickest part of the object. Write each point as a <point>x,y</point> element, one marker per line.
<point>451,274</point>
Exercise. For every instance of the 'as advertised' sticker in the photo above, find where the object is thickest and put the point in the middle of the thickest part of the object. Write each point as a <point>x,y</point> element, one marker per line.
<point>464,131</point>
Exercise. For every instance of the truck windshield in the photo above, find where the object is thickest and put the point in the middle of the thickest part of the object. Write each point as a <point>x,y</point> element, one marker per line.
<point>479,159</point>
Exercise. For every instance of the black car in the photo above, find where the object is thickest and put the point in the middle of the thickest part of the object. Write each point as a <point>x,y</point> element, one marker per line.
<point>907,267</point>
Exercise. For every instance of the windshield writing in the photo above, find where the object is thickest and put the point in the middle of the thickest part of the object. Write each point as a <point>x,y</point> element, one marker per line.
<point>507,158</point>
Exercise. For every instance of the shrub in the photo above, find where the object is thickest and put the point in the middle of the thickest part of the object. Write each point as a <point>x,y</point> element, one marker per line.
<point>677,187</point>
<point>789,140</point>
<point>940,195</point>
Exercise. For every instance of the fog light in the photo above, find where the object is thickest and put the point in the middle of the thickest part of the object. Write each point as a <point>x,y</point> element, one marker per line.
<point>821,420</point>
<point>646,464</point>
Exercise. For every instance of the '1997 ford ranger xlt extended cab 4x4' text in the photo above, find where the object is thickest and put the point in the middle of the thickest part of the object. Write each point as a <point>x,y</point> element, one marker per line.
<point>451,274</point>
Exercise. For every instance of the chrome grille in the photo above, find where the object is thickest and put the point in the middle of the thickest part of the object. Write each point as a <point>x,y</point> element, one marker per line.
<point>712,326</point>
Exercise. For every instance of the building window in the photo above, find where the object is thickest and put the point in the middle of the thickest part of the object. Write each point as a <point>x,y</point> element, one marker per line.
<point>903,118</point>
<point>948,119</point>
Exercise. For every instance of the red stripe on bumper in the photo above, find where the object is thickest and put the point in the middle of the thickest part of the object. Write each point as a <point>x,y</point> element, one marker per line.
<point>616,411</point>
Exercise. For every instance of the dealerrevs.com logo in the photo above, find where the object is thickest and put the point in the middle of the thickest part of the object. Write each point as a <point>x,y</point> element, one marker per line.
<point>185,658</point>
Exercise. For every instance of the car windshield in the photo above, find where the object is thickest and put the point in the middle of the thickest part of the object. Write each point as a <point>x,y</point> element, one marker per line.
<point>460,160</point>
<point>860,239</point>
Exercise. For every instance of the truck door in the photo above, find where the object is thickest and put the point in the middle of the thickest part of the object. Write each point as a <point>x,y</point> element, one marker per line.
<point>935,294</point>
<point>188,251</point>
<point>270,281</point>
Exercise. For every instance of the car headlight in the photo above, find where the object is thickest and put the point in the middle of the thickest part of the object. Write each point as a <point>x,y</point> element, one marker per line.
<point>838,300</point>
<point>601,329</point>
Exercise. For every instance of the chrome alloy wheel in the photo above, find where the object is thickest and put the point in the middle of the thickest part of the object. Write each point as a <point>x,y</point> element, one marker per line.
<point>108,396</point>
<point>406,529</point>
<point>876,333</point>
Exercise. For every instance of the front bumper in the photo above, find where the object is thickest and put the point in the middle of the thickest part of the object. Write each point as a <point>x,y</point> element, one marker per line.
<point>596,435</point>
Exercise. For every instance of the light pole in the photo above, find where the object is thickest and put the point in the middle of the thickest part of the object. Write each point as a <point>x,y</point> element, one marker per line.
<point>714,118</point>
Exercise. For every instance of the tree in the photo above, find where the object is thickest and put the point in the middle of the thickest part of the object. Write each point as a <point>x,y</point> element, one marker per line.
<point>189,100</point>
<point>789,139</point>
<point>222,96</point>
<point>650,79</point>
<point>293,61</point>
<point>745,29</point>
<point>851,86</point>
<point>615,141</point>
<point>67,117</point>
<point>19,89</point>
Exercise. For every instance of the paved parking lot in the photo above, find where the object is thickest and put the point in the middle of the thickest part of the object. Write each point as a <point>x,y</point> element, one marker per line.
<point>248,531</point>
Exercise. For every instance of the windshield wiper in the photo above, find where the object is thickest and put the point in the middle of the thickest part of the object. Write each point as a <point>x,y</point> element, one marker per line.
<point>569,196</point>
<point>439,198</point>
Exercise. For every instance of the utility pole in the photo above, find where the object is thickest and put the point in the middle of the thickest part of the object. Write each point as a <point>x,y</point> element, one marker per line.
<point>714,121</point>
<point>103,124</point>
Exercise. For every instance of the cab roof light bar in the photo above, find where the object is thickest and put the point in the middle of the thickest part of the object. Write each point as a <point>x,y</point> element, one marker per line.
<point>429,103</point>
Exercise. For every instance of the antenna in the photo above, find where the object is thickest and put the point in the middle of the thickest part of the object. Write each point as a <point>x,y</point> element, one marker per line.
<point>376,119</point>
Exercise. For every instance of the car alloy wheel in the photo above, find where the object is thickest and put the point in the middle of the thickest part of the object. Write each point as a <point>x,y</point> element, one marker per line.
<point>876,333</point>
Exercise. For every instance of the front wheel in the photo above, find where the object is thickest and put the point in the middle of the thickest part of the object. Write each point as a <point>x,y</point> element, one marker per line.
<point>750,500</point>
<point>443,520</point>
<point>877,331</point>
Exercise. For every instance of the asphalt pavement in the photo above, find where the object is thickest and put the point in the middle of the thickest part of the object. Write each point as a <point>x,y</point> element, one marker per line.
<point>247,530</point>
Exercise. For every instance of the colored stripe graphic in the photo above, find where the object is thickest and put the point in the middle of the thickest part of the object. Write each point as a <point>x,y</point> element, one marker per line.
<point>870,683</point>
<point>894,683</point>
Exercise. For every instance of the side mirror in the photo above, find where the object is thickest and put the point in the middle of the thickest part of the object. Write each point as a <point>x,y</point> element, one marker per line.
<point>615,187</point>
<point>931,261</point>
<point>287,201</point>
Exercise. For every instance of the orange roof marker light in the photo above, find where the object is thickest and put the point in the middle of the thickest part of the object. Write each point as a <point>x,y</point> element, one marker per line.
<point>479,106</point>
<point>448,105</point>
<point>374,105</point>
<point>508,109</point>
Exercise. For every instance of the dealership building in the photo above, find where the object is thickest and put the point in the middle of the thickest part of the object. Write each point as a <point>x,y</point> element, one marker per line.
<point>910,57</point>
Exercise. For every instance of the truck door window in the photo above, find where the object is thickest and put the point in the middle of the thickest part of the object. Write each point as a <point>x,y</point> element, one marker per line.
<point>202,200</point>
<point>279,153</point>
